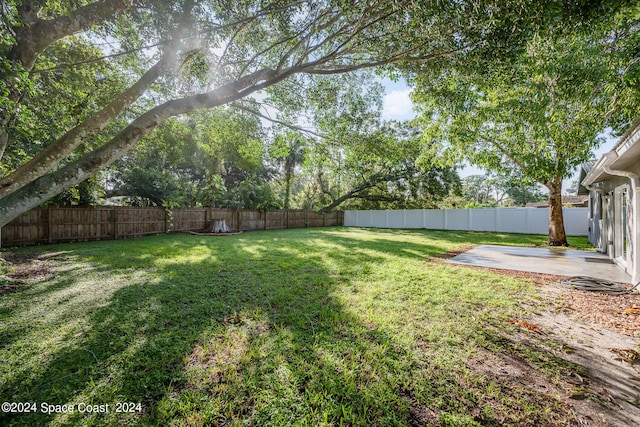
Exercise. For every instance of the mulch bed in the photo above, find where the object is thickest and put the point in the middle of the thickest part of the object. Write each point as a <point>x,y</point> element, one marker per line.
<point>620,313</point>
<point>206,233</point>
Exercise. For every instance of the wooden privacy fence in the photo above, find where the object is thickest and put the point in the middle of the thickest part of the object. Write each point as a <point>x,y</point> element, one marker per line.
<point>73,224</point>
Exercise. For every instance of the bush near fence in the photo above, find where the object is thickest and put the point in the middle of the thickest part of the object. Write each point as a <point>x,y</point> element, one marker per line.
<point>73,224</point>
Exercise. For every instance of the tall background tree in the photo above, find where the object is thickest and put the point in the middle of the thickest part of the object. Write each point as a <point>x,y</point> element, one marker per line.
<point>191,160</point>
<point>539,115</point>
<point>378,169</point>
<point>289,150</point>
<point>492,189</point>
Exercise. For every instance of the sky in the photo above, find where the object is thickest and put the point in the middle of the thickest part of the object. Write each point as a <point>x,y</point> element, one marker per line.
<point>397,105</point>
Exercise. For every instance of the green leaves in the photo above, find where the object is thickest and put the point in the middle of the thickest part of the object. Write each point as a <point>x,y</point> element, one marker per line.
<point>541,113</point>
<point>186,161</point>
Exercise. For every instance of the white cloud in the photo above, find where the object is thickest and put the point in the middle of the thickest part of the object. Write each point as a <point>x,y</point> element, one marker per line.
<point>397,105</point>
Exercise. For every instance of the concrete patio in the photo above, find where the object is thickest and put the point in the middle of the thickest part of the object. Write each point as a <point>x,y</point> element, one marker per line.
<point>563,262</point>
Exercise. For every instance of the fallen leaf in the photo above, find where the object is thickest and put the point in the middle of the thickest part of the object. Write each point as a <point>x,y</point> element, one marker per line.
<point>579,394</point>
<point>627,354</point>
<point>530,326</point>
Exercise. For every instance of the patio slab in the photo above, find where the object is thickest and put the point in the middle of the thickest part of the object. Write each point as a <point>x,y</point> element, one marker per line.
<point>563,262</point>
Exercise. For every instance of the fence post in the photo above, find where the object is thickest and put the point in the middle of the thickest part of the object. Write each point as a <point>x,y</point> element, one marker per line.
<point>306,218</point>
<point>115,223</point>
<point>166,219</point>
<point>49,215</point>
<point>96,216</point>
<point>238,219</point>
<point>265,220</point>
<point>286,223</point>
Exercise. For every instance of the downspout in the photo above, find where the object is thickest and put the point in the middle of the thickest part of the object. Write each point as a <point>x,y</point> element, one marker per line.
<point>635,187</point>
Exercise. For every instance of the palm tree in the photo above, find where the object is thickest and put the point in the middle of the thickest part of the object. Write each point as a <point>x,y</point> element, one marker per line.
<point>296,151</point>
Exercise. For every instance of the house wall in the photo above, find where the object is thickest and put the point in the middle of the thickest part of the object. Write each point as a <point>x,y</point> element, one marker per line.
<point>615,228</point>
<point>612,221</point>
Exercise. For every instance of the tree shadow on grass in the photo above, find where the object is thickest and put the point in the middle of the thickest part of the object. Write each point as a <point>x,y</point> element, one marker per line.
<point>205,331</point>
<point>134,338</point>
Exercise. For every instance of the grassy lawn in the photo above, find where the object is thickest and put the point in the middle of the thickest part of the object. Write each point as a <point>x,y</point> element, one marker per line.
<point>329,327</point>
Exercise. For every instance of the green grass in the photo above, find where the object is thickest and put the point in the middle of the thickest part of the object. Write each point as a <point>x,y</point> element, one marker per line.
<point>314,327</point>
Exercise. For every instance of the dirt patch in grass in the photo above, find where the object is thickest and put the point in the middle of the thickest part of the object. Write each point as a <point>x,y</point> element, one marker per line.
<point>421,415</point>
<point>218,359</point>
<point>22,269</point>
<point>555,361</point>
<point>523,381</point>
<point>208,233</point>
<point>609,381</point>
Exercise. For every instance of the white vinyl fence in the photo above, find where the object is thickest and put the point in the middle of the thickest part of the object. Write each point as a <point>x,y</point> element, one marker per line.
<point>506,220</point>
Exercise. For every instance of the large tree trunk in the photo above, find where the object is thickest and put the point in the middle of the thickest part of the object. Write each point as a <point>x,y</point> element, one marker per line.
<point>557,235</point>
<point>47,159</point>
<point>47,186</point>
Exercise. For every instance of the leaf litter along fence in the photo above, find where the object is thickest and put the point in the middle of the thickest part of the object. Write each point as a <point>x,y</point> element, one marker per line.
<point>73,224</point>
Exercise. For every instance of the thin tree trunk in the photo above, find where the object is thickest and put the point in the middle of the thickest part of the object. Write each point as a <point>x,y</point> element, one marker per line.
<point>4,138</point>
<point>557,235</point>
<point>287,189</point>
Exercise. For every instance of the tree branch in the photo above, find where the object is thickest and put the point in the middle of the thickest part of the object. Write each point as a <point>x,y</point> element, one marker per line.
<point>279,122</point>
<point>45,187</point>
<point>31,40</point>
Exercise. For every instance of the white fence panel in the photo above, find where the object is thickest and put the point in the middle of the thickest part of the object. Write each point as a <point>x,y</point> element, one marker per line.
<point>413,218</point>
<point>457,219</point>
<point>538,222</point>
<point>483,220</point>
<point>435,219</point>
<point>576,221</point>
<point>514,220</point>
<point>395,219</point>
<point>378,219</point>
<point>350,218</point>
<point>505,220</point>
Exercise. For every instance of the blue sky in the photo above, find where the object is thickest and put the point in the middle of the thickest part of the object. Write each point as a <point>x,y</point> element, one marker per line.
<point>397,105</point>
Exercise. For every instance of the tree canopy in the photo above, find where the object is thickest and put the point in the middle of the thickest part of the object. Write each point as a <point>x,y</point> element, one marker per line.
<point>191,160</point>
<point>83,82</point>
